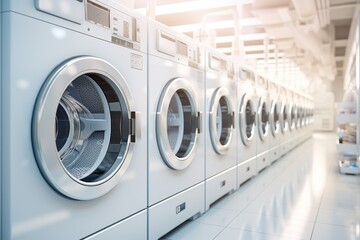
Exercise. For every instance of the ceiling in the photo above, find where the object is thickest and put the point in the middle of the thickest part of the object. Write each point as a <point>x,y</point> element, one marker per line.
<point>294,41</point>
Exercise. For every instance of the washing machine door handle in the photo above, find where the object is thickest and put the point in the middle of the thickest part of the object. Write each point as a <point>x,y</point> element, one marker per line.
<point>266,117</point>
<point>276,117</point>
<point>231,118</point>
<point>198,122</point>
<point>134,126</point>
<point>253,117</point>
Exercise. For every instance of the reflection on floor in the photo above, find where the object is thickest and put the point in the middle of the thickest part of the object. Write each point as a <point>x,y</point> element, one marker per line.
<point>301,196</point>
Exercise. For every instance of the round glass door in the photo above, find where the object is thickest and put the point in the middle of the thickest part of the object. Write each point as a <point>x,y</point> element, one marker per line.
<point>284,118</point>
<point>307,115</point>
<point>303,117</point>
<point>263,119</point>
<point>298,117</point>
<point>292,117</point>
<point>247,120</point>
<point>82,128</point>
<point>177,124</point>
<point>275,118</point>
<point>221,120</point>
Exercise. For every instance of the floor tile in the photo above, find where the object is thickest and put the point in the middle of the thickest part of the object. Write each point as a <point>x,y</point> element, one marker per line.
<point>219,217</point>
<point>333,232</point>
<point>278,208</point>
<point>338,217</point>
<point>239,199</point>
<point>345,204</point>
<point>273,225</point>
<point>238,234</point>
<point>193,230</point>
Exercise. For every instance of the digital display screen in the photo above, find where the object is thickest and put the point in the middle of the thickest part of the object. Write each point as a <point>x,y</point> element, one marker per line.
<point>182,48</point>
<point>97,14</point>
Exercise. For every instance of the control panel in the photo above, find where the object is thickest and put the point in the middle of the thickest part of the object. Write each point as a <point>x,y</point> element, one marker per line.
<point>216,63</point>
<point>125,30</point>
<point>246,75</point>
<point>273,87</point>
<point>262,82</point>
<point>184,52</point>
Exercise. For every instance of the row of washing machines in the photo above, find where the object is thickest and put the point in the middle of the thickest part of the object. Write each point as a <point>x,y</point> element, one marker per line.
<point>114,126</point>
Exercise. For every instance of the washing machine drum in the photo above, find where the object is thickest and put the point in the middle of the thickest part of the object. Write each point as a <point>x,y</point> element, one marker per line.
<point>275,119</point>
<point>247,120</point>
<point>221,120</point>
<point>263,119</point>
<point>83,128</point>
<point>178,124</point>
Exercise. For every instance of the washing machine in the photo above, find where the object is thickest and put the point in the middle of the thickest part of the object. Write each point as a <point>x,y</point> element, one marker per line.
<point>220,135</point>
<point>176,127</point>
<point>298,125</point>
<point>308,121</point>
<point>306,117</point>
<point>312,113</point>
<point>275,126</point>
<point>284,120</point>
<point>246,111</point>
<point>74,160</point>
<point>263,124</point>
<point>308,128</point>
<point>311,124</point>
<point>302,119</point>
<point>292,113</point>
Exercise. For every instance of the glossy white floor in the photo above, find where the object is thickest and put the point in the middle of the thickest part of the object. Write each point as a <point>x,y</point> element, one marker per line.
<point>301,196</point>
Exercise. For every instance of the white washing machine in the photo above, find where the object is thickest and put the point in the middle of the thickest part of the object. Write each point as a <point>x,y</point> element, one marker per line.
<point>284,120</point>
<point>220,135</point>
<point>308,119</point>
<point>262,122</point>
<point>307,106</point>
<point>275,126</point>
<point>176,143</point>
<point>292,113</point>
<point>247,135</point>
<point>74,159</point>
<point>301,119</point>
<point>311,117</point>
<point>312,113</point>
<point>298,119</point>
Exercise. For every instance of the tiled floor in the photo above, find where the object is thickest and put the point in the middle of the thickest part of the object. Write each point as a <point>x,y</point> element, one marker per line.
<point>301,196</point>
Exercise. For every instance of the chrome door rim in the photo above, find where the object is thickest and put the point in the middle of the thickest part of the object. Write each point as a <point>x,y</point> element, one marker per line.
<point>45,110</point>
<point>167,153</point>
<point>273,123</point>
<point>262,104</point>
<point>292,119</point>
<point>284,122</point>
<point>219,147</point>
<point>242,116</point>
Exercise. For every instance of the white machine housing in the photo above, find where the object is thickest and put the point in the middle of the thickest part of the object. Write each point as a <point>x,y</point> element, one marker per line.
<point>275,124</point>
<point>262,123</point>
<point>176,155</point>
<point>220,132</point>
<point>246,116</point>
<point>75,154</point>
<point>292,113</point>
<point>284,120</point>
